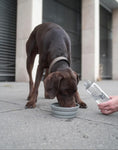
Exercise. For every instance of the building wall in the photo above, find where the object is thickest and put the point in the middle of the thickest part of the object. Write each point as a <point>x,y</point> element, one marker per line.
<point>115,44</point>
<point>29,14</point>
<point>90,40</point>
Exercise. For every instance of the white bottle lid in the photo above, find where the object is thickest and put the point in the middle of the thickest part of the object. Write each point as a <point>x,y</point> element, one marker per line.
<point>87,84</point>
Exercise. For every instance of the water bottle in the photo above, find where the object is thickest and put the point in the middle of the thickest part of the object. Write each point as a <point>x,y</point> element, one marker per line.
<point>96,92</point>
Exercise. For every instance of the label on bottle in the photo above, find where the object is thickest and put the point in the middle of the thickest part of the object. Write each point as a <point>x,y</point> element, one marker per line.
<point>98,94</point>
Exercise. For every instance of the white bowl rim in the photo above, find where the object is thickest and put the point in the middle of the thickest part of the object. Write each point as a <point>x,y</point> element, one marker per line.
<point>55,106</point>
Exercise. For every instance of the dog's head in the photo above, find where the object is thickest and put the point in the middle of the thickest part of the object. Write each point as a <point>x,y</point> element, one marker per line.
<point>63,85</point>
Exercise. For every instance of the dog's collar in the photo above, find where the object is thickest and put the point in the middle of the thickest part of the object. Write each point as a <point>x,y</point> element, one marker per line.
<point>56,60</point>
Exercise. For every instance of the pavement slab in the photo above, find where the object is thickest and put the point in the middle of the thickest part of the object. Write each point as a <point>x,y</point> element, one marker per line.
<point>22,128</point>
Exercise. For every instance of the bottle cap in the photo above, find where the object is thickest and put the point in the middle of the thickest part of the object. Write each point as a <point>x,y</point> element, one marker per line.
<point>87,84</point>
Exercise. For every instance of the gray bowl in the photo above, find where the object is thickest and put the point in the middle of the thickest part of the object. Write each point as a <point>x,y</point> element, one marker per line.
<point>64,112</point>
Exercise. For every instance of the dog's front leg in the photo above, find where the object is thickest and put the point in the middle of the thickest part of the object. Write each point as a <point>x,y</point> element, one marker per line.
<point>79,101</point>
<point>45,94</point>
<point>33,98</point>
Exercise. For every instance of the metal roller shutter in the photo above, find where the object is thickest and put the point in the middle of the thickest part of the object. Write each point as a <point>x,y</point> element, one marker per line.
<point>67,13</point>
<point>7,39</point>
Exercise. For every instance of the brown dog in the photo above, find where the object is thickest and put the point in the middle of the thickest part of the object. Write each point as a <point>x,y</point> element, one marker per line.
<point>54,46</point>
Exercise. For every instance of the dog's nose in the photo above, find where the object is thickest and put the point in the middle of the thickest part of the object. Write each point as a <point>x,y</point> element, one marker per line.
<point>67,104</point>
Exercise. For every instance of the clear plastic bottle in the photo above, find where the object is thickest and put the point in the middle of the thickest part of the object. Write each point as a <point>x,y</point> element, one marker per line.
<point>96,92</point>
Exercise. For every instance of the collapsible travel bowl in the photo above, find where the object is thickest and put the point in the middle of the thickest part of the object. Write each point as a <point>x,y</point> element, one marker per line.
<point>64,112</point>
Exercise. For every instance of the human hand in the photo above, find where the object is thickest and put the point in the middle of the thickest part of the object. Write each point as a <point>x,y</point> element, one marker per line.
<point>110,106</point>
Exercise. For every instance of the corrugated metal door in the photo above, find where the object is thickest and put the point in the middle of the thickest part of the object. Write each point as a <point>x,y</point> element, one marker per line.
<point>67,13</point>
<point>105,44</point>
<point>7,39</point>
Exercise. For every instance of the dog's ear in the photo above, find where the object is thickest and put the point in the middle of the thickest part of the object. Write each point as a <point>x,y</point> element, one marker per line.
<point>51,84</point>
<point>77,76</point>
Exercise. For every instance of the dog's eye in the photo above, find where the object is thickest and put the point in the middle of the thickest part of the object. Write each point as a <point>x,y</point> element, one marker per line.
<point>63,93</point>
<point>67,93</point>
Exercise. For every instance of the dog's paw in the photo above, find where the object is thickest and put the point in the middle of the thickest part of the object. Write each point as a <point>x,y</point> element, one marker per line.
<point>30,104</point>
<point>83,105</point>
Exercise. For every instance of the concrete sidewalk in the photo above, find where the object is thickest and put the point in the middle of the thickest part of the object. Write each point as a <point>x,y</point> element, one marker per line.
<point>22,128</point>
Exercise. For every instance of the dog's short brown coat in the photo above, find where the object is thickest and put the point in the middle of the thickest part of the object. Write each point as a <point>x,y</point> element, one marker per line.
<point>50,41</point>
